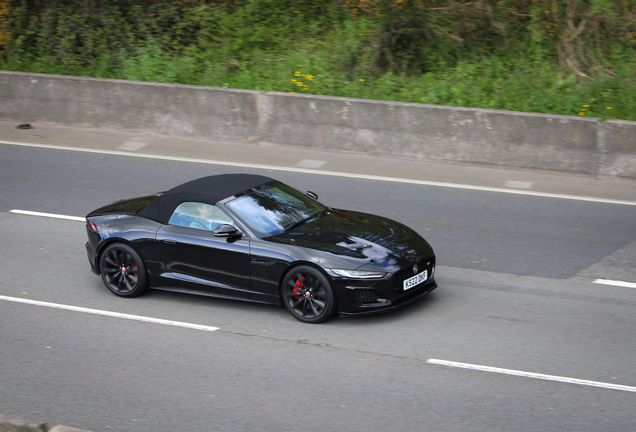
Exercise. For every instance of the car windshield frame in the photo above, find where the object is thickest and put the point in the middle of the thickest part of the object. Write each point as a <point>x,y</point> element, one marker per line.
<point>273,208</point>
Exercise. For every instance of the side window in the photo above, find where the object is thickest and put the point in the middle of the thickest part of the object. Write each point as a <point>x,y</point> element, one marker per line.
<point>199,216</point>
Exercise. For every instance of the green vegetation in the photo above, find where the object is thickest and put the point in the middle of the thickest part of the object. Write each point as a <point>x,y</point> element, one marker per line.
<point>575,57</point>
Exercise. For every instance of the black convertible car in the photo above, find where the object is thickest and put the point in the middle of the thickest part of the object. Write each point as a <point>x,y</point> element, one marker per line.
<point>250,237</point>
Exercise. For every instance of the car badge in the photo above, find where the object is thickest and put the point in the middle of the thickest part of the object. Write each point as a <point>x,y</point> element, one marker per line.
<point>415,268</point>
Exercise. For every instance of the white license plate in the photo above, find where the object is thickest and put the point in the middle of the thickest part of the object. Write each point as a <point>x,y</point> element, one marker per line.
<point>415,280</point>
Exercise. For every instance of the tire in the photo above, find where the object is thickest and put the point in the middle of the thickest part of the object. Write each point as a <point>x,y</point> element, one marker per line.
<point>123,271</point>
<point>308,295</point>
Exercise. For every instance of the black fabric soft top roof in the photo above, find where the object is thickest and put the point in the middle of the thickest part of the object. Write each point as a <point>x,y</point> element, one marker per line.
<point>209,190</point>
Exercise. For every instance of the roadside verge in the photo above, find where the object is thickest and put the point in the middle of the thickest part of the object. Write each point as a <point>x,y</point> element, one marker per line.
<point>315,161</point>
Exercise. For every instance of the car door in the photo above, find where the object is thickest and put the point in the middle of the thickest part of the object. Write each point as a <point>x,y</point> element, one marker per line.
<point>197,259</point>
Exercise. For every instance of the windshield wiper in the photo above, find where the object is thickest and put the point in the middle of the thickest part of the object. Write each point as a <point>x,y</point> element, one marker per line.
<point>302,221</point>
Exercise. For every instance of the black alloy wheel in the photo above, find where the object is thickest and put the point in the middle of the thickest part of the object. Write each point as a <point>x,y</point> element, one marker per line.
<point>123,271</point>
<point>308,295</point>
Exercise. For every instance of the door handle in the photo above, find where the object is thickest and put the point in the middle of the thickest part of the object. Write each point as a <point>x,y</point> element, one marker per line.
<point>170,242</point>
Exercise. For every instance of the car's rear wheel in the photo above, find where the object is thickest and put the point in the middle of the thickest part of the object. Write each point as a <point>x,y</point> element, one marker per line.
<point>123,270</point>
<point>308,295</point>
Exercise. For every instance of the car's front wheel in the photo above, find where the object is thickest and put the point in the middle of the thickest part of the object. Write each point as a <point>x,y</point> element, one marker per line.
<point>308,295</point>
<point>123,270</point>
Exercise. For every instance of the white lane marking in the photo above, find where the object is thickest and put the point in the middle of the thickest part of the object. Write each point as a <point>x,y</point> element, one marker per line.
<point>430,361</point>
<point>615,283</point>
<point>325,173</point>
<point>110,314</point>
<point>49,215</point>
<point>524,374</point>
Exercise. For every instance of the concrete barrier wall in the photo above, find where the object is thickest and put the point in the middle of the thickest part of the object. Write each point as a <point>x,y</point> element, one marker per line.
<point>406,130</point>
<point>164,108</point>
<point>618,139</point>
<point>437,133</point>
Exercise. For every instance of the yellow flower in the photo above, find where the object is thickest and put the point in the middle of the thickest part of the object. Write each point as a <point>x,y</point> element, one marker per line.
<point>309,77</point>
<point>296,73</point>
<point>299,65</point>
<point>361,79</point>
<point>609,107</point>
<point>586,106</point>
<point>582,113</point>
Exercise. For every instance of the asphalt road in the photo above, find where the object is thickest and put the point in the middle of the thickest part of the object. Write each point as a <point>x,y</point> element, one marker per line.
<point>515,291</point>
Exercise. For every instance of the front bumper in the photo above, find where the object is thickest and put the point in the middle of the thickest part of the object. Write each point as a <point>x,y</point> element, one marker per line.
<point>362,297</point>
<point>350,309</point>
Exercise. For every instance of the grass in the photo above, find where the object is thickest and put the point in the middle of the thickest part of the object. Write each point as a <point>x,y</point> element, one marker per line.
<point>332,55</point>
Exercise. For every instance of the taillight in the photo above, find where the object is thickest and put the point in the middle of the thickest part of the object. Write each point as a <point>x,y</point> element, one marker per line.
<point>91,226</point>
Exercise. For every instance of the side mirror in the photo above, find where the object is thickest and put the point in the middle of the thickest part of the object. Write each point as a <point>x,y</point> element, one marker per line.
<point>226,231</point>
<point>312,195</point>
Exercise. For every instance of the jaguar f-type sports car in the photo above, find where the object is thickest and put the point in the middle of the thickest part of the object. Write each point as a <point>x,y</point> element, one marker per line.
<point>250,237</point>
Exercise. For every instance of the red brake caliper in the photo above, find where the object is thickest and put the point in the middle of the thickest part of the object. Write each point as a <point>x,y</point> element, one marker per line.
<point>299,284</point>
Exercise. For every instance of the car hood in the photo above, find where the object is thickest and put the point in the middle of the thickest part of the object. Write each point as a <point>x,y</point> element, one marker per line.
<point>373,239</point>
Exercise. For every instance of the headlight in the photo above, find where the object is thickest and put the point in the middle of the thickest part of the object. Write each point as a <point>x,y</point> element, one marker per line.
<point>355,274</point>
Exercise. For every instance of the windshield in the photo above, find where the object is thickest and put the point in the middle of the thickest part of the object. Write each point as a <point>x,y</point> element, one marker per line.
<point>273,208</point>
